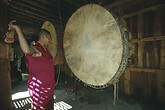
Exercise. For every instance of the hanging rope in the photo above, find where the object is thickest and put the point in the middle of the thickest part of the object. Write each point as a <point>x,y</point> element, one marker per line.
<point>59,10</point>
<point>59,72</point>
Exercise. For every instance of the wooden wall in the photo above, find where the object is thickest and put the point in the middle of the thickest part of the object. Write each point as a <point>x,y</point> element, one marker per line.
<point>5,81</point>
<point>145,75</point>
<point>3,19</point>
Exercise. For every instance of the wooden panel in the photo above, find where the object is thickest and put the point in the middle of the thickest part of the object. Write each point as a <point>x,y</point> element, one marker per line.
<point>163,20</point>
<point>3,19</point>
<point>134,27</point>
<point>127,82</point>
<point>161,75</point>
<point>147,81</point>
<point>148,24</point>
<point>122,83</point>
<point>152,58</point>
<point>134,58</point>
<point>162,55</point>
<point>143,85</point>
<point>157,23</point>
<point>158,30</point>
<point>5,85</point>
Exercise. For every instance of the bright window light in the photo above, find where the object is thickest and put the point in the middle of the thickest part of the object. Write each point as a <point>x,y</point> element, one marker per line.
<point>20,95</point>
<point>27,100</point>
<point>62,106</point>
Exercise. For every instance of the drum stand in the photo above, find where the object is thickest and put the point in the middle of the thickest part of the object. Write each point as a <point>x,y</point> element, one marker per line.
<point>116,89</point>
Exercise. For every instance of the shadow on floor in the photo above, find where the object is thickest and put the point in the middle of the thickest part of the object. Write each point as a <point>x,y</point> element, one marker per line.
<point>66,97</point>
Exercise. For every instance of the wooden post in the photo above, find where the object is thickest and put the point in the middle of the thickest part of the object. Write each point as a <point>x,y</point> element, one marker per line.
<point>127,72</point>
<point>127,82</point>
<point>157,31</point>
<point>140,44</point>
<point>5,85</point>
<point>161,75</point>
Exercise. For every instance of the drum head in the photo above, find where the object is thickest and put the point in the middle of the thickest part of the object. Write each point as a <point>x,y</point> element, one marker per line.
<point>93,45</point>
<point>52,47</point>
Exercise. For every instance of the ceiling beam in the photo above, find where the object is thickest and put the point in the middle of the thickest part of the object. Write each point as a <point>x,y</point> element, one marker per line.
<point>75,3</point>
<point>27,20</point>
<point>23,11</point>
<point>30,8</point>
<point>156,7</point>
<point>123,7</point>
<point>14,11</point>
<point>40,6</point>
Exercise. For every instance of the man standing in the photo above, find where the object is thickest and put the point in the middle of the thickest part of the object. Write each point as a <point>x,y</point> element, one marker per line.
<point>41,82</point>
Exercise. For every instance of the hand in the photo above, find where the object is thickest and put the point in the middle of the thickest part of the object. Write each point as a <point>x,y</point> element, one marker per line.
<point>11,26</point>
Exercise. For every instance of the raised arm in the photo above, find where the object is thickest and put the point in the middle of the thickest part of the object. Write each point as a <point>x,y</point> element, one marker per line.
<point>23,43</point>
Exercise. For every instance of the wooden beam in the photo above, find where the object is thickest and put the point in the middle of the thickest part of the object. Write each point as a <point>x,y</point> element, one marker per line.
<point>5,85</point>
<point>20,9</point>
<point>127,86</point>
<point>132,7</point>
<point>25,20</point>
<point>144,10</point>
<point>74,3</point>
<point>46,8</point>
<point>117,3</point>
<point>148,39</point>
<point>31,8</point>
<point>41,6</point>
<point>146,70</point>
<point>125,7</point>
<point>15,12</point>
<point>140,44</point>
<point>3,19</point>
<point>161,76</point>
<point>46,2</point>
<point>162,55</point>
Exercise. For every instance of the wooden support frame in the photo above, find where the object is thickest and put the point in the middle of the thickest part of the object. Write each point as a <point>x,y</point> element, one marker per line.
<point>141,40</point>
<point>146,70</point>
<point>140,44</point>
<point>148,39</point>
<point>127,82</point>
<point>161,75</point>
<point>144,10</point>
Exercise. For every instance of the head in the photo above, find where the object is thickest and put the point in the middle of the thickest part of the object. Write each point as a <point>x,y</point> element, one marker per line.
<point>44,37</point>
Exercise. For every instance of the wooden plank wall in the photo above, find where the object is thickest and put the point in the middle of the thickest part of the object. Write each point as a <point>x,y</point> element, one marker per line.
<point>145,74</point>
<point>3,19</point>
<point>5,85</point>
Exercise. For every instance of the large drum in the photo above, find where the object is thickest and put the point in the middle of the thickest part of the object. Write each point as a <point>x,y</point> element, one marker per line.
<point>95,46</point>
<point>52,47</point>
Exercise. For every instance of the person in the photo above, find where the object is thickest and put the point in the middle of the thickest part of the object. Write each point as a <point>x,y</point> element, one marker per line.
<point>41,81</point>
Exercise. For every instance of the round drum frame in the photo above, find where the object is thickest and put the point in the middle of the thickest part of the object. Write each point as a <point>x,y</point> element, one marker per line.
<point>124,57</point>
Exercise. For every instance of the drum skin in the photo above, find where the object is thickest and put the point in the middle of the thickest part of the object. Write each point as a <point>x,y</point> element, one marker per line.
<point>94,46</point>
<point>52,47</point>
